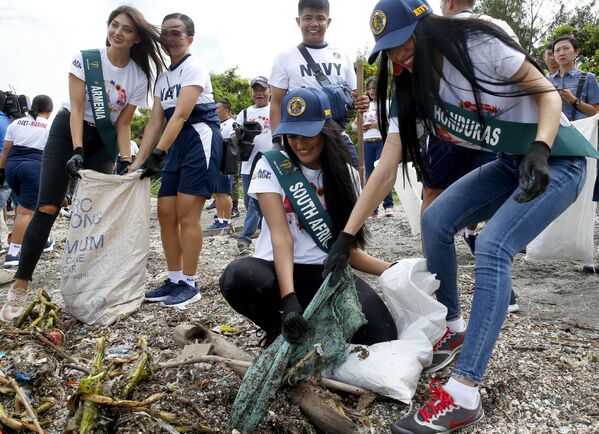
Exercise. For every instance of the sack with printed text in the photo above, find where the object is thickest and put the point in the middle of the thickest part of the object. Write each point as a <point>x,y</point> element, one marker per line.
<point>104,261</point>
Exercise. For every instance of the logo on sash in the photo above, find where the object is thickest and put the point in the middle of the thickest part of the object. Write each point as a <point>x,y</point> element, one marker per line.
<point>94,64</point>
<point>378,22</point>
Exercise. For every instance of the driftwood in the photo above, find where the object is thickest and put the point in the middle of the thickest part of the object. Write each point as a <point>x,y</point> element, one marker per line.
<point>321,409</point>
<point>28,409</point>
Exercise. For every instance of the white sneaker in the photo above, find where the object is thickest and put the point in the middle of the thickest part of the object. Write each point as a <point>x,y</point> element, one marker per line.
<point>14,305</point>
<point>513,308</point>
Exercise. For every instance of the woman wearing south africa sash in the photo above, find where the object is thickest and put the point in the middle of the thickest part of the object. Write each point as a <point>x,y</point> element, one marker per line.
<point>286,270</point>
<point>131,53</point>
<point>478,73</point>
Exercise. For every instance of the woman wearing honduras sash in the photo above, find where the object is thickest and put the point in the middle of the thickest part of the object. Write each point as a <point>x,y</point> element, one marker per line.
<point>482,78</point>
<point>132,51</point>
<point>183,98</point>
<point>286,270</point>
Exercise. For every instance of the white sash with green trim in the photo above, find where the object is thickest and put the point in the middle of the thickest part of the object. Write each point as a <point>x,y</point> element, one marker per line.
<point>302,197</point>
<point>94,82</point>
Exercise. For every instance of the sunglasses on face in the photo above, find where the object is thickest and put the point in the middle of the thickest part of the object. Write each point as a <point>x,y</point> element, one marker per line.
<point>172,33</point>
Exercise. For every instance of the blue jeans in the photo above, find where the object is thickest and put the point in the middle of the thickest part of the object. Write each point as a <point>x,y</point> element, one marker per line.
<point>488,194</point>
<point>372,152</point>
<point>252,218</point>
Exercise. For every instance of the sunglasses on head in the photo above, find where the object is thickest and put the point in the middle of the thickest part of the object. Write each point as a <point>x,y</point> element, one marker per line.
<point>172,33</point>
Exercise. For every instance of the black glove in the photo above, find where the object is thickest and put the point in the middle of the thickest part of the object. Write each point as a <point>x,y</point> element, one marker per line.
<point>277,142</point>
<point>124,167</point>
<point>2,177</point>
<point>294,326</point>
<point>152,164</point>
<point>534,172</point>
<point>75,163</point>
<point>338,257</point>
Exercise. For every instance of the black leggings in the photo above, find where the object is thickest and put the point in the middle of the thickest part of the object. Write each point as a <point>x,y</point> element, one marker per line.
<point>250,286</point>
<point>54,182</point>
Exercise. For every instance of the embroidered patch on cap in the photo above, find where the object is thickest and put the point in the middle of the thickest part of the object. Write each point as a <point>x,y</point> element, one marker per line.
<point>420,10</point>
<point>378,22</point>
<point>296,106</point>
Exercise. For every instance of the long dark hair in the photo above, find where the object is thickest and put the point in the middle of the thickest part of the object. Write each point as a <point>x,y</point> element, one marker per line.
<point>417,93</point>
<point>41,104</point>
<point>149,45</point>
<point>338,185</point>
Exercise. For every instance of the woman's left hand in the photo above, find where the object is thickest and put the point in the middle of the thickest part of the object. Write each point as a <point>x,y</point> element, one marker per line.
<point>338,257</point>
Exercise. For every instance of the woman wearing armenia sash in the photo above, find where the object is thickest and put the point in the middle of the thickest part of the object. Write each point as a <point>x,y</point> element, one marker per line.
<point>132,51</point>
<point>286,270</point>
<point>472,84</point>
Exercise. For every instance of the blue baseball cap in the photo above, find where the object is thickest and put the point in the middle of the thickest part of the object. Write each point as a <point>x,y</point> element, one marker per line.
<point>393,21</point>
<point>304,112</point>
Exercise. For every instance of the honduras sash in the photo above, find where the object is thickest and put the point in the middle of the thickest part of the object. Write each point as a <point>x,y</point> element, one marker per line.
<point>505,136</point>
<point>94,82</point>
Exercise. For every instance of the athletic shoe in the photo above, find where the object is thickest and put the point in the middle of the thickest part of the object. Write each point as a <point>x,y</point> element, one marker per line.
<point>445,350</point>
<point>163,291</point>
<point>471,241</point>
<point>234,213</point>
<point>389,212</point>
<point>49,245</point>
<point>14,305</point>
<point>65,212</point>
<point>182,295</point>
<point>11,260</point>
<point>212,205</point>
<point>243,246</point>
<point>218,225</point>
<point>373,215</point>
<point>513,307</point>
<point>439,415</point>
<point>591,268</point>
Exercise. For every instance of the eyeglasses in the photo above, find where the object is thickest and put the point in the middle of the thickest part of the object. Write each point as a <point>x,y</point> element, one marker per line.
<point>172,33</point>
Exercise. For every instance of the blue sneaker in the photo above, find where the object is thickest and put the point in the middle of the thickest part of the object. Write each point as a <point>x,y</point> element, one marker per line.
<point>49,246</point>
<point>182,295</point>
<point>218,225</point>
<point>12,260</point>
<point>161,292</point>
<point>212,205</point>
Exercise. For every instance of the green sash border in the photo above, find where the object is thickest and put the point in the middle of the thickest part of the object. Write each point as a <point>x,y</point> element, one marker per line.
<point>94,82</point>
<point>303,198</point>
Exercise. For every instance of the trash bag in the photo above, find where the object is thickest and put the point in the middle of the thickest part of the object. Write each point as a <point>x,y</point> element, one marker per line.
<point>570,236</point>
<point>393,368</point>
<point>104,261</point>
<point>334,315</point>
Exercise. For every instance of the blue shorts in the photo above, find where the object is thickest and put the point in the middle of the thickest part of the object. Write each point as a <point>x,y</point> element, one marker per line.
<point>23,177</point>
<point>192,163</point>
<point>225,184</point>
<point>445,162</point>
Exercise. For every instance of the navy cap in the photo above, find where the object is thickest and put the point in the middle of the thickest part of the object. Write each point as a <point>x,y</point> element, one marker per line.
<point>393,21</point>
<point>304,112</point>
<point>260,80</point>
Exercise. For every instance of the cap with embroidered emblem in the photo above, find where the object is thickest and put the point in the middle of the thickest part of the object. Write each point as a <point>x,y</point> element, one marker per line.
<point>304,112</point>
<point>393,21</point>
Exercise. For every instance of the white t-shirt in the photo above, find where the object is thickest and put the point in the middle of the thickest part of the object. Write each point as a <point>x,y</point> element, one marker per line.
<point>370,117</point>
<point>190,72</point>
<point>29,132</point>
<point>226,128</point>
<point>290,70</point>
<point>499,23</point>
<point>127,85</point>
<point>263,141</point>
<point>492,60</point>
<point>305,250</point>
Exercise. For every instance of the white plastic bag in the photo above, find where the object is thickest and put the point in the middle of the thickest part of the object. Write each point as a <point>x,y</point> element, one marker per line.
<point>570,236</point>
<point>393,368</point>
<point>409,194</point>
<point>104,262</point>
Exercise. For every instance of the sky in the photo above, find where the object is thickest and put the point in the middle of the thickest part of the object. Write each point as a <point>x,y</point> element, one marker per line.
<point>40,37</point>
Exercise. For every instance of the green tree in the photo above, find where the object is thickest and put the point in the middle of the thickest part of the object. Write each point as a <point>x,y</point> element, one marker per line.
<point>231,86</point>
<point>139,122</point>
<point>588,38</point>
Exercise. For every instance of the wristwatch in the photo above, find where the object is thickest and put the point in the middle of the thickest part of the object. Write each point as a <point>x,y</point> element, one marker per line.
<point>576,103</point>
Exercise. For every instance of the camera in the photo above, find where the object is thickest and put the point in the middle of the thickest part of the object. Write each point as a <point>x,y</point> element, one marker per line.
<point>16,106</point>
<point>244,136</point>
